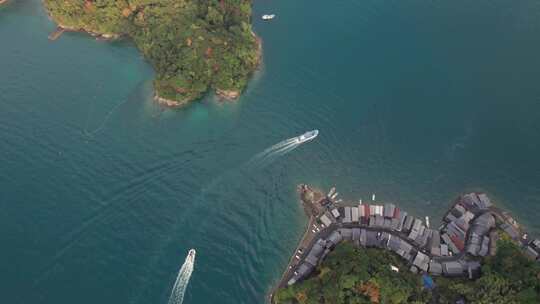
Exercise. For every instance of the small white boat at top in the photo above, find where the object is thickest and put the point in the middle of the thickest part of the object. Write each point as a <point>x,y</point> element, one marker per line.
<point>268,17</point>
<point>307,136</point>
<point>191,255</point>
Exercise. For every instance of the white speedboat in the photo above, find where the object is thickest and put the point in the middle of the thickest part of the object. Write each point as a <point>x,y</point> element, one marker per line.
<point>268,17</point>
<point>307,136</point>
<point>191,254</point>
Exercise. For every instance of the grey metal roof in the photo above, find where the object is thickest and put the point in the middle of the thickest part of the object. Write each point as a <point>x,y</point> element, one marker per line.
<point>444,249</point>
<point>354,214</point>
<point>317,250</point>
<point>346,233</point>
<point>422,230</point>
<point>473,249</point>
<point>363,237</point>
<point>452,268</point>
<point>421,261</point>
<point>395,224</point>
<point>402,217</point>
<point>379,221</point>
<point>408,223</point>
<point>326,220</point>
<point>435,240</point>
<point>371,238</point>
<point>435,268</point>
<point>417,225</point>
<point>471,201</point>
<point>482,224</point>
<point>485,247</point>
<point>458,210</point>
<point>347,218</point>
<point>313,260</point>
<point>474,244</point>
<point>372,222</point>
<point>405,246</point>
<point>422,240</point>
<point>389,210</point>
<point>450,217</point>
<point>413,235</point>
<point>304,270</point>
<point>485,201</point>
<point>394,243</point>
<point>356,234</point>
<point>335,237</point>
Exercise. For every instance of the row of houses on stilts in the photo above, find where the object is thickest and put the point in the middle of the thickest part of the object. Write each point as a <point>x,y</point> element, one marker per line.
<point>455,249</point>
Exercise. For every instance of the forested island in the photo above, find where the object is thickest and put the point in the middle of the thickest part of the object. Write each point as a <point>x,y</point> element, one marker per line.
<point>193,45</point>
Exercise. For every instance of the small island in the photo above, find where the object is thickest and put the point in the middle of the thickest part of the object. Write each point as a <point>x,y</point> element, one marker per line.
<point>193,45</point>
<point>378,253</point>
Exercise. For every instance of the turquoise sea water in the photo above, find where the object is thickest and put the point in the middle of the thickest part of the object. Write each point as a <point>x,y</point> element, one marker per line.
<point>102,193</point>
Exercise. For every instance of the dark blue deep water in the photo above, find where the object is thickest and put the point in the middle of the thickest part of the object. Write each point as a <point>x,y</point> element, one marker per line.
<point>102,193</point>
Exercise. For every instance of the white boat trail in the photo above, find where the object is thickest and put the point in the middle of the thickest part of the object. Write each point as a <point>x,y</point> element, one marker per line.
<point>280,149</point>
<point>103,123</point>
<point>182,280</point>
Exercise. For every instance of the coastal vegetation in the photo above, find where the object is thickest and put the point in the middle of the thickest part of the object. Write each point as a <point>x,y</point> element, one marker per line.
<point>509,277</point>
<point>354,275</point>
<point>193,45</point>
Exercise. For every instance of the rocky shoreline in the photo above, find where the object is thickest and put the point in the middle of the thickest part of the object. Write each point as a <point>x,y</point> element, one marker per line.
<point>171,103</point>
<point>228,94</point>
<point>3,1</point>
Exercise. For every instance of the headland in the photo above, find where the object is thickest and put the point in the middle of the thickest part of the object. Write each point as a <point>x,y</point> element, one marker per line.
<point>193,46</point>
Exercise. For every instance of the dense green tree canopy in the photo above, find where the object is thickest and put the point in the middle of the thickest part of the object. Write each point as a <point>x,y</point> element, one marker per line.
<point>356,275</point>
<point>509,277</point>
<point>193,45</point>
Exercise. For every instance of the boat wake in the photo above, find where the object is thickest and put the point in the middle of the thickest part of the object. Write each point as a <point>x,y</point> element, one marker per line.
<point>280,149</point>
<point>101,126</point>
<point>182,280</point>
